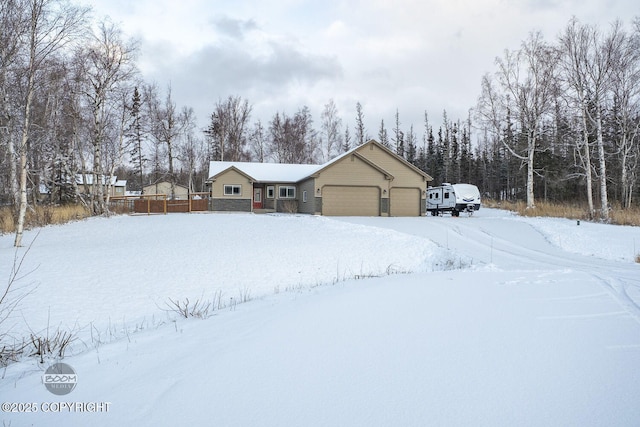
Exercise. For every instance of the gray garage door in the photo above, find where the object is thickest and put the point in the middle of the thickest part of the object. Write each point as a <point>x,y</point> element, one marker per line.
<point>350,201</point>
<point>405,202</point>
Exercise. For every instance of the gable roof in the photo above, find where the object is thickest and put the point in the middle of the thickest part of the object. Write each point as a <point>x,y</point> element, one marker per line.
<point>264,172</point>
<point>282,172</point>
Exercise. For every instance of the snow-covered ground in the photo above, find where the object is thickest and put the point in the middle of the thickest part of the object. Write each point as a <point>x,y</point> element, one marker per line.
<point>490,320</point>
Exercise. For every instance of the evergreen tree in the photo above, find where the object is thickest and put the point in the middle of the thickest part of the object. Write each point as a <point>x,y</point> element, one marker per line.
<point>383,136</point>
<point>346,141</point>
<point>411,153</point>
<point>135,135</point>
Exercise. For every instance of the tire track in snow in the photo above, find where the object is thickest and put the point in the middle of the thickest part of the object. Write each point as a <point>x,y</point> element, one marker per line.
<point>615,287</point>
<point>618,290</point>
<point>523,247</point>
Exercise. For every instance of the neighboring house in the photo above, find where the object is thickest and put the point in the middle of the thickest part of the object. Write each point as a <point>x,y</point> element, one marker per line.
<point>164,187</point>
<point>117,187</point>
<point>369,180</point>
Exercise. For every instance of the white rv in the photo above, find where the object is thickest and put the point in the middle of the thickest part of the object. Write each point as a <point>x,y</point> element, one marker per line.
<point>454,198</point>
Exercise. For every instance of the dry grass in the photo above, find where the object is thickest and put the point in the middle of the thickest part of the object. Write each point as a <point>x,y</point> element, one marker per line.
<point>576,211</point>
<point>41,216</point>
<point>626,216</point>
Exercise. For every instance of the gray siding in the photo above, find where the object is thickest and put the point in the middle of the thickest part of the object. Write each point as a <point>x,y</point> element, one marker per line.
<point>310,206</point>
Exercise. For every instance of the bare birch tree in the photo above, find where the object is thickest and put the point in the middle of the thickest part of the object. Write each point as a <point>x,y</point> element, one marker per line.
<point>526,79</point>
<point>361,133</point>
<point>13,27</point>
<point>598,63</point>
<point>625,89</point>
<point>331,131</point>
<point>228,128</point>
<point>258,143</point>
<point>108,65</point>
<point>575,46</point>
<point>52,24</point>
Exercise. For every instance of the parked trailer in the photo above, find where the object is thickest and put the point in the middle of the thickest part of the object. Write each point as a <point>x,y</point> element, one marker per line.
<point>454,198</point>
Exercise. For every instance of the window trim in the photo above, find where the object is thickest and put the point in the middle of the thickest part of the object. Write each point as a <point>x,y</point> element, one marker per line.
<point>232,188</point>
<point>271,191</point>
<point>286,188</point>
<point>304,196</point>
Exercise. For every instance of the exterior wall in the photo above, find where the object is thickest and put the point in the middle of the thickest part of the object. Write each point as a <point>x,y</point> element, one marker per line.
<point>286,205</point>
<point>353,171</point>
<point>230,203</point>
<point>403,175</point>
<point>164,187</point>
<point>309,206</point>
<point>384,207</point>
<point>115,190</point>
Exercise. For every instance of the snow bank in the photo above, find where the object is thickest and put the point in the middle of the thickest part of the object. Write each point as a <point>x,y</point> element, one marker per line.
<point>546,338</point>
<point>618,243</point>
<point>123,270</point>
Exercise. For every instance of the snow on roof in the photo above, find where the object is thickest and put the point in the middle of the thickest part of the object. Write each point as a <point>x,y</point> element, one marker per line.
<point>266,172</point>
<point>88,179</point>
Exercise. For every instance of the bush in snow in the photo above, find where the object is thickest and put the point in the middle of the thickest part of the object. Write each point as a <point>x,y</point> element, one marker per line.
<point>51,345</point>
<point>186,308</point>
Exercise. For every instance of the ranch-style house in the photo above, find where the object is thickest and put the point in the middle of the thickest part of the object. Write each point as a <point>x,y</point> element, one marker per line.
<point>369,180</point>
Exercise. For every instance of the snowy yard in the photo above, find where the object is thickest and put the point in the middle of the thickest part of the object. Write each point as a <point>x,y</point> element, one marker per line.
<point>490,320</point>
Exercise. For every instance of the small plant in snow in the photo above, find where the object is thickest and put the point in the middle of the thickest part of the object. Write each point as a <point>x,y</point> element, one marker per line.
<point>454,264</point>
<point>245,294</point>
<point>637,258</point>
<point>55,345</point>
<point>10,297</point>
<point>186,308</point>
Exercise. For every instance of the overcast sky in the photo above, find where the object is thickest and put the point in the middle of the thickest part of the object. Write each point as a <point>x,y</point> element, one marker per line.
<point>410,55</point>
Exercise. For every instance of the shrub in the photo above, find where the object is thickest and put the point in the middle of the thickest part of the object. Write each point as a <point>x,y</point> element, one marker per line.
<point>55,345</point>
<point>186,308</point>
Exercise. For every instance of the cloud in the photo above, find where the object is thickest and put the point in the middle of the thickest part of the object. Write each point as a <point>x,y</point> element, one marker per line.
<point>274,70</point>
<point>234,28</point>
<point>410,55</point>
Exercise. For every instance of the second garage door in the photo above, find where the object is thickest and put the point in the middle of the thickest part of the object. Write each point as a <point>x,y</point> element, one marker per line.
<point>405,202</point>
<point>350,201</point>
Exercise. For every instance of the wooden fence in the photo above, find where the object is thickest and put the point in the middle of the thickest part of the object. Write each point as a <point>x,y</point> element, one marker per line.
<point>158,203</point>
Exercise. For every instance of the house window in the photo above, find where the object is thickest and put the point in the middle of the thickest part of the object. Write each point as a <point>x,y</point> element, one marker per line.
<point>304,197</point>
<point>271,192</point>
<point>232,190</point>
<point>287,192</point>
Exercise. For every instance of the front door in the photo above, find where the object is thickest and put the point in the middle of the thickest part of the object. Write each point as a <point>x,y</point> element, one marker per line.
<point>257,198</point>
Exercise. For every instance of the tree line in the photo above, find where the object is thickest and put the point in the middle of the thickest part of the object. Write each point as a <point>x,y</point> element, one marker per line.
<point>556,120</point>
